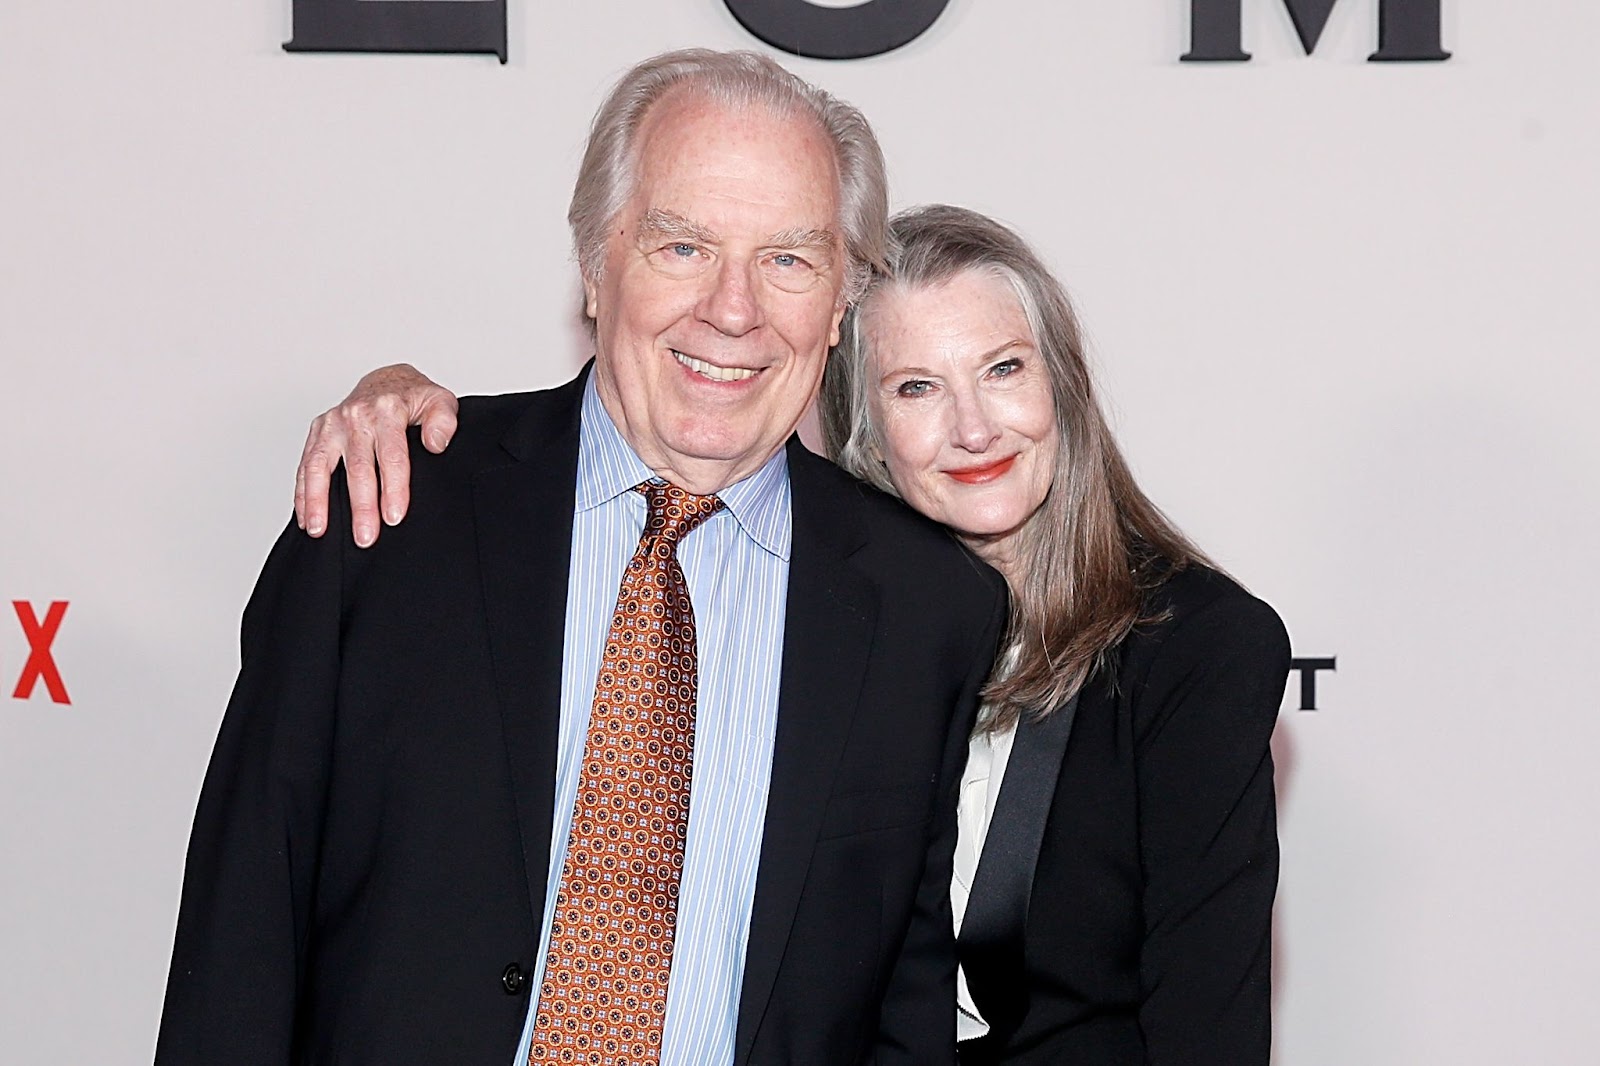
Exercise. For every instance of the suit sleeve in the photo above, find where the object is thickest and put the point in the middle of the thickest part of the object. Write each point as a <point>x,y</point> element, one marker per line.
<point>917,1023</point>
<point>1208,835</point>
<point>239,956</point>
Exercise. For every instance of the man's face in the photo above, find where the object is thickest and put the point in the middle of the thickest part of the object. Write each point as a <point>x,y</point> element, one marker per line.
<point>721,290</point>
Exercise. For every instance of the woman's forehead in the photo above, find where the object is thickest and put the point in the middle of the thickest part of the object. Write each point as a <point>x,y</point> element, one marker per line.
<point>973,309</point>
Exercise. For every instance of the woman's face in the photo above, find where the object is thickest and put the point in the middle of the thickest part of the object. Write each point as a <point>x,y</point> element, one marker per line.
<point>963,403</point>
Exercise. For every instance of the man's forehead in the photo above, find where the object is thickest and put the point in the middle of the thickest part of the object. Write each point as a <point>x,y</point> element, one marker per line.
<point>706,169</point>
<point>691,131</point>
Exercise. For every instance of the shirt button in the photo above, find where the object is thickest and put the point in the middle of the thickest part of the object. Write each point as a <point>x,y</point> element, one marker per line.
<point>513,979</point>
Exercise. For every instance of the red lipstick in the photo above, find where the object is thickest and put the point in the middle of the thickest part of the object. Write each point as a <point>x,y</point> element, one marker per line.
<point>977,475</point>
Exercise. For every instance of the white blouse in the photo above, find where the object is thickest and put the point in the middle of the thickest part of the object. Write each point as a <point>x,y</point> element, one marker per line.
<point>987,755</point>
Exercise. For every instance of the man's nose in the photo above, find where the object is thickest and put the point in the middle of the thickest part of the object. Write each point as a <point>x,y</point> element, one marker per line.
<point>732,304</point>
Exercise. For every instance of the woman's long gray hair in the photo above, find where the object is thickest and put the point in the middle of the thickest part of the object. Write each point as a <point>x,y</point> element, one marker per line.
<point>1091,551</point>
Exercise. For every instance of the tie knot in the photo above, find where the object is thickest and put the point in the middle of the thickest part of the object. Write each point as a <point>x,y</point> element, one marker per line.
<point>674,512</point>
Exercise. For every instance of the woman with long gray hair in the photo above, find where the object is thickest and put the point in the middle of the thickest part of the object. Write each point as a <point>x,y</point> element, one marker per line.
<point>1117,857</point>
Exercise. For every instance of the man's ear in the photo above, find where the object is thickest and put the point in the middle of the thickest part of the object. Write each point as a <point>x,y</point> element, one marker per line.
<point>590,302</point>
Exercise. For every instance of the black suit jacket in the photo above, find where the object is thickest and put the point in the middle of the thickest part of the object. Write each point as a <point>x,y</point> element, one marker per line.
<point>367,871</point>
<point>1121,914</point>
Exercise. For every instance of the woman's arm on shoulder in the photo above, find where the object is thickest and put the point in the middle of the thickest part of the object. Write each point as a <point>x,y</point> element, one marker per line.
<point>367,430</point>
<point>1203,714</point>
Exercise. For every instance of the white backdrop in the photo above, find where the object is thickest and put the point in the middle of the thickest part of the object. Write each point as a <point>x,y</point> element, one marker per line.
<point>1344,312</point>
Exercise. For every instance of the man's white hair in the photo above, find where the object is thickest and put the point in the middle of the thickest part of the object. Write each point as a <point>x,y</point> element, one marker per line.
<point>736,80</point>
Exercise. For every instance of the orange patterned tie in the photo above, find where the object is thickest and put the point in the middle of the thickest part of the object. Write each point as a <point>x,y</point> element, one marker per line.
<point>603,999</point>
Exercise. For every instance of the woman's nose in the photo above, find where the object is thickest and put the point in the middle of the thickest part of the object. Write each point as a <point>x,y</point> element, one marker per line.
<point>975,427</point>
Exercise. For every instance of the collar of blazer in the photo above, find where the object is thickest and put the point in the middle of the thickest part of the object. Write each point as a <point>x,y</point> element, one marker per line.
<point>991,942</point>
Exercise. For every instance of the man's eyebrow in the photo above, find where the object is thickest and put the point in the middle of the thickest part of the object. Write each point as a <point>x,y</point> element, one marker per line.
<point>804,238</point>
<point>660,222</point>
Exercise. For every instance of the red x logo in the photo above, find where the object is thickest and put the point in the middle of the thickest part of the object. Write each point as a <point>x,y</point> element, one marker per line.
<point>40,666</point>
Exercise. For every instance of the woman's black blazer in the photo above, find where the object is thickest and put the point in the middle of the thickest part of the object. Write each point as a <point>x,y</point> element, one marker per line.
<point>1144,934</point>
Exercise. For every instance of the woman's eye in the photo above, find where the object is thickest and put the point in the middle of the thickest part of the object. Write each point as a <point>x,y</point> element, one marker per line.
<point>1006,368</point>
<point>913,388</point>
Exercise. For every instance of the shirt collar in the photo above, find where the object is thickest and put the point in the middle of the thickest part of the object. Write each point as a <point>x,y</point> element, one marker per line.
<point>607,468</point>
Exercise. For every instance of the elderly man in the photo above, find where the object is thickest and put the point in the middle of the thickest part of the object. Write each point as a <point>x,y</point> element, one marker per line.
<point>637,743</point>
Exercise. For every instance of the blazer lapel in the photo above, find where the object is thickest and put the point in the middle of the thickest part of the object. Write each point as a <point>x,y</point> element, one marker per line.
<point>992,931</point>
<point>523,513</point>
<point>828,627</point>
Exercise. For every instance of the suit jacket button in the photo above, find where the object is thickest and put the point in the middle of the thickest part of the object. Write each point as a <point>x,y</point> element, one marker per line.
<point>513,980</point>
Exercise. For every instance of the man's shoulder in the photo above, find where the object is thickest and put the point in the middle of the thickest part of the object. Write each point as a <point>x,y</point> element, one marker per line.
<point>899,544</point>
<point>494,415</point>
<point>515,421</point>
<point>496,430</point>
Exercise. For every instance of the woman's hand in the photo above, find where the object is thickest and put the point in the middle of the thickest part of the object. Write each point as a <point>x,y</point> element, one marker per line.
<point>368,431</point>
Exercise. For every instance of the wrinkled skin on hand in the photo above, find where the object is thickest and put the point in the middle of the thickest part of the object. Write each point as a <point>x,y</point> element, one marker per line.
<point>368,431</point>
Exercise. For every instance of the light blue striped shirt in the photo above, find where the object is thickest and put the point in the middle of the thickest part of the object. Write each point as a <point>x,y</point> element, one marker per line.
<point>737,567</point>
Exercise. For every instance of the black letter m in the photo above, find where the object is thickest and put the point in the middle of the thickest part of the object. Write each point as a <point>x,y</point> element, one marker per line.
<point>1408,30</point>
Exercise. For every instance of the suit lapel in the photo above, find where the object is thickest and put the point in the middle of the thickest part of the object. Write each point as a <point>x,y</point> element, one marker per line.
<point>828,627</point>
<point>523,513</point>
<point>1002,890</point>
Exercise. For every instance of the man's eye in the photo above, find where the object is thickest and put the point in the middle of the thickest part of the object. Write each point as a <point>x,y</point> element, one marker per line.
<point>784,259</point>
<point>683,251</point>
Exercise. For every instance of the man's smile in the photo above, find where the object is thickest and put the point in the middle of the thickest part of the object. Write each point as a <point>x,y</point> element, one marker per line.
<point>711,370</point>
